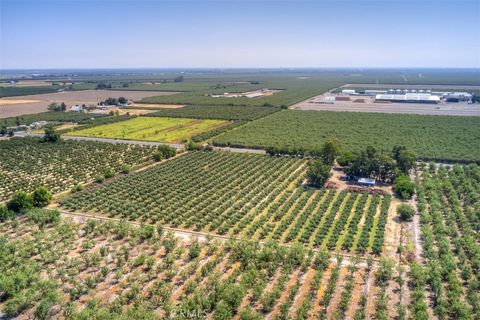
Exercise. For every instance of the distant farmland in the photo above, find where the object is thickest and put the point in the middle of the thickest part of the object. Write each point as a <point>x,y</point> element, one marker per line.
<point>37,103</point>
<point>431,137</point>
<point>172,130</point>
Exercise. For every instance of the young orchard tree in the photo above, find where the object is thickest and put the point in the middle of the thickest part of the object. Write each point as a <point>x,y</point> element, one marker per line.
<point>406,212</point>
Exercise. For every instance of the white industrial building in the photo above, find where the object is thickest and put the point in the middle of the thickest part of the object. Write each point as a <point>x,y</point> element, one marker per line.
<point>408,98</point>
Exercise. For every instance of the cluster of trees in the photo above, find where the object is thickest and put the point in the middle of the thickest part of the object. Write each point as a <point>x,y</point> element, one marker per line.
<point>21,202</point>
<point>373,164</point>
<point>114,102</point>
<point>57,107</point>
<point>164,152</point>
<point>51,135</point>
<point>4,131</point>
<point>102,86</point>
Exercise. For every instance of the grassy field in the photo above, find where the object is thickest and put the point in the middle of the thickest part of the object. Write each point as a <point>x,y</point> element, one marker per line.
<point>152,129</point>
<point>430,137</point>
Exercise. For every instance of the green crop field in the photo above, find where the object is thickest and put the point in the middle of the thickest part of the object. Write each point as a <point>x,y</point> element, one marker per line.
<point>216,112</point>
<point>152,129</point>
<point>431,137</point>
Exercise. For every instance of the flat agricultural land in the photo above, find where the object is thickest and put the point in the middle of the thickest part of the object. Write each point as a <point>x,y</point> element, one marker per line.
<point>172,130</point>
<point>242,195</point>
<point>430,137</point>
<point>15,106</point>
<point>26,163</point>
<point>120,271</point>
<point>443,108</point>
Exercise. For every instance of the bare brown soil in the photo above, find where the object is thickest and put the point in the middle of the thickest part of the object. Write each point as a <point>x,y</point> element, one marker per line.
<point>16,106</point>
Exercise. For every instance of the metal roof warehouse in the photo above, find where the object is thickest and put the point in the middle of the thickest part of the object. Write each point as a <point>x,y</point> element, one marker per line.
<point>408,97</point>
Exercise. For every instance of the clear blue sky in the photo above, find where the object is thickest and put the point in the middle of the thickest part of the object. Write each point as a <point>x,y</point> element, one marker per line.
<point>116,34</point>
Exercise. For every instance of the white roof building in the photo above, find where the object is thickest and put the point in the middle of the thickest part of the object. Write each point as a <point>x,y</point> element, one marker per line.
<point>408,97</point>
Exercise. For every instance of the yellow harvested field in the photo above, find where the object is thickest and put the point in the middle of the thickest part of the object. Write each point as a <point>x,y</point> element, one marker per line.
<point>157,105</point>
<point>173,130</point>
<point>26,83</point>
<point>7,102</point>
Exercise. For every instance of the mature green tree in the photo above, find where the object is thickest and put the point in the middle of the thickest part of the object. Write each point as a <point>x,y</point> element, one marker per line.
<point>167,151</point>
<point>122,100</point>
<point>20,202</point>
<point>385,271</point>
<point>318,173</point>
<point>405,158</point>
<point>329,152</point>
<point>346,158</point>
<point>51,135</point>
<point>158,156</point>
<point>41,196</point>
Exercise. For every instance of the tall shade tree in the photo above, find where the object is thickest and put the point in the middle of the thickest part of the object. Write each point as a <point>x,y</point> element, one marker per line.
<point>318,173</point>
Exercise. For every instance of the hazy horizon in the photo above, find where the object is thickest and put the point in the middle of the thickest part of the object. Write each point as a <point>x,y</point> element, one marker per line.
<point>239,35</point>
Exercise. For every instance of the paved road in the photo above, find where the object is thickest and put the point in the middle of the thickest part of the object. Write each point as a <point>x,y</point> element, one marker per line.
<point>147,143</point>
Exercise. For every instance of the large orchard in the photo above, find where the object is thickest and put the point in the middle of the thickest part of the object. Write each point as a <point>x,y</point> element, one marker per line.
<point>242,195</point>
<point>57,268</point>
<point>449,207</point>
<point>26,163</point>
